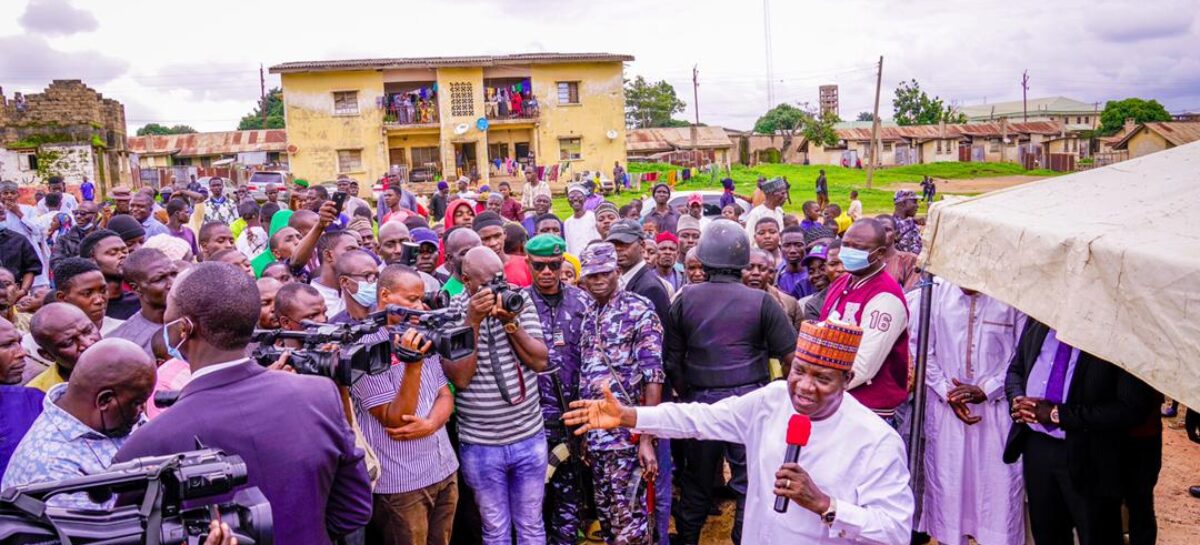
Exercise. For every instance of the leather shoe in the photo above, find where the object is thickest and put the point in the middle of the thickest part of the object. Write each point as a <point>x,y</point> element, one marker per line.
<point>1194,491</point>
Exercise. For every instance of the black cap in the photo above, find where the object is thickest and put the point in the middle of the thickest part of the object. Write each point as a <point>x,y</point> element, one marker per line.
<point>625,231</point>
<point>487,219</point>
<point>126,226</point>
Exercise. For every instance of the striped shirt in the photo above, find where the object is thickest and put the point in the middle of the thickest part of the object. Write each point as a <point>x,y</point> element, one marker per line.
<point>411,465</point>
<point>484,417</point>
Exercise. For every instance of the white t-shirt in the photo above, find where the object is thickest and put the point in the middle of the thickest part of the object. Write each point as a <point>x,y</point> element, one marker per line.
<point>760,212</point>
<point>580,231</point>
<point>332,297</point>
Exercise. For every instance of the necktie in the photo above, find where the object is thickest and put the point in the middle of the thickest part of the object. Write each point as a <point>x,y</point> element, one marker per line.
<point>1057,382</point>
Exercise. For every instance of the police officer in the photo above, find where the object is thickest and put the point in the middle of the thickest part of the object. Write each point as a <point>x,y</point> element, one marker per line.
<point>712,355</point>
<point>560,307</point>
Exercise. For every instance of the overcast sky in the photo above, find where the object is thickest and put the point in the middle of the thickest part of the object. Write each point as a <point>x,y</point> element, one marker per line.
<point>198,64</point>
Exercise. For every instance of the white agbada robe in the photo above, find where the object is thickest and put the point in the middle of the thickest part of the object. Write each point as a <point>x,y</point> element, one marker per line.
<point>853,456</point>
<point>969,490</point>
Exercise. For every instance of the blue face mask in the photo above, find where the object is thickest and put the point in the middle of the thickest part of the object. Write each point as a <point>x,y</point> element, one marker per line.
<point>853,259</point>
<point>365,295</point>
<point>172,351</point>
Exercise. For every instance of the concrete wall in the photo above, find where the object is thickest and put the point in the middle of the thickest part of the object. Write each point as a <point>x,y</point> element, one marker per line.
<point>318,134</point>
<point>1146,142</point>
<point>929,151</point>
<point>446,79</point>
<point>601,108</point>
<point>72,162</point>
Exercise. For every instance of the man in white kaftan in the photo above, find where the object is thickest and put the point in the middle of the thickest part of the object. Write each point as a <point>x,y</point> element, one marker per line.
<point>969,490</point>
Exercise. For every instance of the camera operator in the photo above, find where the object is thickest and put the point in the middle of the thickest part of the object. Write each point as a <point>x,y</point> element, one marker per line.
<point>289,429</point>
<point>403,414</point>
<point>503,452</point>
<point>85,421</point>
<point>458,242</point>
<point>392,238</point>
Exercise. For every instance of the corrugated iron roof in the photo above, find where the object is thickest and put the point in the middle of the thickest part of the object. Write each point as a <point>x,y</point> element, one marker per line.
<point>1036,106</point>
<point>210,143</point>
<point>438,62</point>
<point>673,138</point>
<point>1177,133</point>
<point>931,132</point>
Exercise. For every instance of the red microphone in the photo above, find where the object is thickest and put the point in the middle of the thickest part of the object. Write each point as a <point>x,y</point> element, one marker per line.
<point>799,428</point>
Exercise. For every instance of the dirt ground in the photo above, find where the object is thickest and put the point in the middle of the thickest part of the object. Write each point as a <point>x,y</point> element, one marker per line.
<point>972,186</point>
<point>1178,512</point>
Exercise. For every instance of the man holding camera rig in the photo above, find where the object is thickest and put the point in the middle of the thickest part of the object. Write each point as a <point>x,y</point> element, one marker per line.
<point>503,452</point>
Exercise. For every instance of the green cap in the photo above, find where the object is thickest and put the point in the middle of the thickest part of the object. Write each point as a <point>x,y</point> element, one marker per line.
<point>546,246</point>
<point>300,182</point>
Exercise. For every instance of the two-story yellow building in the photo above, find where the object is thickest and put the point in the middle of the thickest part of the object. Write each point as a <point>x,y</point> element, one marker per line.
<point>452,116</point>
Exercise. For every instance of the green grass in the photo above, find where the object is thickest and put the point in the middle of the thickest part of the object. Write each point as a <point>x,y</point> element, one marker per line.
<point>877,200</point>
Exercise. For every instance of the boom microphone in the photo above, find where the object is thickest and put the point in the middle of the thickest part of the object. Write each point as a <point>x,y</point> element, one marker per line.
<point>799,428</point>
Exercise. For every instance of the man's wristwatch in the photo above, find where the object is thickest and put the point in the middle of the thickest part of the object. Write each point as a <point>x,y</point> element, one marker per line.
<point>830,514</point>
<point>510,327</point>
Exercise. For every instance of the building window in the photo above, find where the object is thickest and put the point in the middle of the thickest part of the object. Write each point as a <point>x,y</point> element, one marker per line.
<point>887,146</point>
<point>30,162</point>
<point>345,103</point>
<point>422,157</point>
<point>568,92</point>
<point>349,160</point>
<point>995,145</point>
<point>462,100</point>
<point>939,146</point>
<point>570,149</point>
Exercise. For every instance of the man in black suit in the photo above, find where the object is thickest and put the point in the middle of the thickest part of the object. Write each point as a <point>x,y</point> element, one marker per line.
<point>290,429</point>
<point>1072,411</point>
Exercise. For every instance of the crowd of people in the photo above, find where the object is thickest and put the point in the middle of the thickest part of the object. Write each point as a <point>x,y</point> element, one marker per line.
<point>623,357</point>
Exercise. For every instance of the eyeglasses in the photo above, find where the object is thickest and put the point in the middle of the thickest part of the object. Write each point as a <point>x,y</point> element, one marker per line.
<point>366,277</point>
<point>543,265</point>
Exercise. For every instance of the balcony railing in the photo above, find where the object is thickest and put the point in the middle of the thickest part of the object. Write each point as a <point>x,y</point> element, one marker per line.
<point>499,112</point>
<point>401,111</point>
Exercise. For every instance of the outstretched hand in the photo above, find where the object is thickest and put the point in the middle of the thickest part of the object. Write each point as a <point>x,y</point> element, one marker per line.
<point>595,414</point>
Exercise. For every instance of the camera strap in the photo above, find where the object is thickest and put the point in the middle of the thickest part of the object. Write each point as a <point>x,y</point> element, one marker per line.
<point>498,371</point>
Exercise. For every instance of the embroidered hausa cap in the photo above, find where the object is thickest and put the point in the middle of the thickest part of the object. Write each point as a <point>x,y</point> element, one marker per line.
<point>829,344</point>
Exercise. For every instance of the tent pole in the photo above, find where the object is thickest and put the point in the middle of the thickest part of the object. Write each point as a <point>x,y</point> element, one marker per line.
<point>916,450</point>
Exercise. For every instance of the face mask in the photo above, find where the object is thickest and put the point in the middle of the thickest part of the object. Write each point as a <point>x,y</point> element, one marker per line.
<point>122,430</point>
<point>365,295</point>
<point>172,351</point>
<point>855,260</point>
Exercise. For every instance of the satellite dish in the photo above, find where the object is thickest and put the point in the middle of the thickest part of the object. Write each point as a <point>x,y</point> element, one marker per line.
<point>461,128</point>
<point>292,148</point>
<point>612,134</point>
<point>482,124</point>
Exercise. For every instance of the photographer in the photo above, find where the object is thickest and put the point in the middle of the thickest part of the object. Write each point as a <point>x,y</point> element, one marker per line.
<point>503,452</point>
<point>403,414</point>
<point>289,429</point>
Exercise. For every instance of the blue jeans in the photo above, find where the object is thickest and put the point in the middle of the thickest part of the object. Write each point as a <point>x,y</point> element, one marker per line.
<point>509,483</point>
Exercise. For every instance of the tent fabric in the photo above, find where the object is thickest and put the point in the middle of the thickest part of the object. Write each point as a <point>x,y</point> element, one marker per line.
<point>1108,257</point>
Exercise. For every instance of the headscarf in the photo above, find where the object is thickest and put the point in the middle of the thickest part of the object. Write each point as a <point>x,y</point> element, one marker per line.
<point>279,221</point>
<point>449,219</point>
<point>574,261</point>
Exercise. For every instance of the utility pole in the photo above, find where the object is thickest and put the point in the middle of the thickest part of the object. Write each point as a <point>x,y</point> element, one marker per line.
<point>696,92</point>
<point>1025,95</point>
<point>767,38</point>
<point>262,87</point>
<point>875,126</point>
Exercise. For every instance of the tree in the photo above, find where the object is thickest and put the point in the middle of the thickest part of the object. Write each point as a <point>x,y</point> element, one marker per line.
<point>1112,119</point>
<point>651,104</point>
<point>156,129</point>
<point>274,107</point>
<point>865,116</point>
<point>789,120</point>
<point>913,107</point>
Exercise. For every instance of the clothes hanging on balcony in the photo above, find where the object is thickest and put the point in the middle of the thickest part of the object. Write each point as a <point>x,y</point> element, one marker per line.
<point>687,174</point>
<point>516,104</point>
<point>502,103</point>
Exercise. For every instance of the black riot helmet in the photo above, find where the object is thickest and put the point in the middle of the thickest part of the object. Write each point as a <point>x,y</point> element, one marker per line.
<point>724,245</point>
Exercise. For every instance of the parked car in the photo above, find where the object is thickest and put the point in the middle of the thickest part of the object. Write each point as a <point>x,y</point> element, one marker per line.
<point>712,203</point>
<point>257,184</point>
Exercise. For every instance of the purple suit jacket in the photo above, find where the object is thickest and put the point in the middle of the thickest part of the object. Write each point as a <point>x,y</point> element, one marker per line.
<point>292,433</point>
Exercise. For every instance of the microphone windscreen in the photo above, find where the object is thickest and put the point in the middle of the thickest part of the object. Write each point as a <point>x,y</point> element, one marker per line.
<point>799,428</point>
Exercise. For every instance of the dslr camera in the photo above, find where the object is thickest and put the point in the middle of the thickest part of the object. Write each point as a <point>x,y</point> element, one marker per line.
<point>153,491</point>
<point>345,364</point>
<point>510,298</point>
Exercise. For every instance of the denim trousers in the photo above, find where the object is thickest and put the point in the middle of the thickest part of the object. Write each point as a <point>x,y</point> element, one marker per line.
<point>509,483</point>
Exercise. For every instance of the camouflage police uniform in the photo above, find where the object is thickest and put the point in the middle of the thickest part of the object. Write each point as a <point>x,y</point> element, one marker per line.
<point>622,346</point>
<point>561,319</point>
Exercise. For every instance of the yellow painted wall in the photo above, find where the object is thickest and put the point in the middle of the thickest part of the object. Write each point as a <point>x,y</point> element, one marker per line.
<point>446,77</point>
<point>318,134</point>
<point>154,161</point>
<point>1146,142</point>
<point>601,108</point>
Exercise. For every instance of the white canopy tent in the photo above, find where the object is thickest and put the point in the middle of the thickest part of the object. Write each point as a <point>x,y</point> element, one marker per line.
<point>1110,258</point>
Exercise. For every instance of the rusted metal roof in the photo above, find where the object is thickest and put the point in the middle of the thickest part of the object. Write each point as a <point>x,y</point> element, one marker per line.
<point>439,62</point>
<point>210,143</point>
<point>1177,133</point>
<point>922,133</point>
<point>675,138</point>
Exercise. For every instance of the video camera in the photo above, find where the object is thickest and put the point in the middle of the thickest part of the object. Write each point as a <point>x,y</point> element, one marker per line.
<point>451,343</point>
<point>344,365</point>
<point>164,483</point>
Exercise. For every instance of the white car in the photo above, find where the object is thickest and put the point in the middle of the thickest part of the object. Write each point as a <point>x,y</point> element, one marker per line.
<point>712,203</point>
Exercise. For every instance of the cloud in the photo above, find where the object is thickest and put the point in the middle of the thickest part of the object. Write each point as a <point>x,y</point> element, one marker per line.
<point>29,59</point>
<point>1128,26</point>
<point>208,81</point>
<point>57,17</point>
